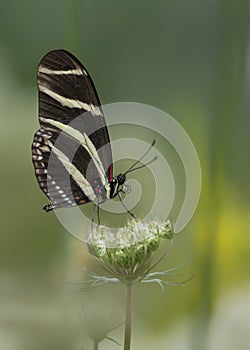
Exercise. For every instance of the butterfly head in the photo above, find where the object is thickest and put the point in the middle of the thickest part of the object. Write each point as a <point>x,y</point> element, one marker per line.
<point>121,178</point>
<point>116,185</point>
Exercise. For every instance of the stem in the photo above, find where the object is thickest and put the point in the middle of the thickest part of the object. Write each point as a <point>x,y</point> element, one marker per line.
<point>128,321</point>
<point>74,19</point>
<point>95,345</point>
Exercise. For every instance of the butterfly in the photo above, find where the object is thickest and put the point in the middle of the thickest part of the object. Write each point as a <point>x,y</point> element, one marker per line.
<point>71,151</point>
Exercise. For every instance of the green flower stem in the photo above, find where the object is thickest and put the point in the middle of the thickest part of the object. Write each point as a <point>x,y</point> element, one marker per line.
<point>128,321</point>
<point>96,345</point>
<point>129,260</point>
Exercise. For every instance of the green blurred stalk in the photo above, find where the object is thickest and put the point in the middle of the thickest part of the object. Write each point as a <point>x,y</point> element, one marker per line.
<point>228,92</point>
<point>73,28</point>
<point>128,321</point>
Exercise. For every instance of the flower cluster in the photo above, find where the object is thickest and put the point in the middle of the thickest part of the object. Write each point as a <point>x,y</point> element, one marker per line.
<point>126,254</point>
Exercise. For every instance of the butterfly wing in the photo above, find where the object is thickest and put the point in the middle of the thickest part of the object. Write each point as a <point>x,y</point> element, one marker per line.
<point>71,151</point>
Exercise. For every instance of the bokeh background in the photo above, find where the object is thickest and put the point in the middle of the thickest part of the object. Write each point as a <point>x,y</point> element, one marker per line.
<point>188,58</point>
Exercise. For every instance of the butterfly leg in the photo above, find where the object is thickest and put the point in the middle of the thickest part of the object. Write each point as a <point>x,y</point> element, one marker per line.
<point>98,214</point>
<point>93,216</point>
<point>124,206</point>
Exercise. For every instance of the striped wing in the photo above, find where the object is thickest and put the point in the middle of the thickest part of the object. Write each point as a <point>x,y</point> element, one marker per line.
<point>71,151</point>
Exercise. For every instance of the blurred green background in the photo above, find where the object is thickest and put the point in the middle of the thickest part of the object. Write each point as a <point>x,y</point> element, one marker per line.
<point>188,58</point>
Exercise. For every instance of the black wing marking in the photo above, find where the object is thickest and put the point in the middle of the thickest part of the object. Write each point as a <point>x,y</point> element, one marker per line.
<point>67,96</point>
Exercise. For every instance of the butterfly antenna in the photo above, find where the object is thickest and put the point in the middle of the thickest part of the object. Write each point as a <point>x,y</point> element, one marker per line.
<point>138,161</point>
<point>142,166</point>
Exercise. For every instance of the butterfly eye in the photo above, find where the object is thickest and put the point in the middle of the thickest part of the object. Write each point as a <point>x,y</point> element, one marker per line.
<point>121,179</point>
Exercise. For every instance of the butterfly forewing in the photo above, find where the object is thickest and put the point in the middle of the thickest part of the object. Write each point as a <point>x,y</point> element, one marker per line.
<point>71,152</point>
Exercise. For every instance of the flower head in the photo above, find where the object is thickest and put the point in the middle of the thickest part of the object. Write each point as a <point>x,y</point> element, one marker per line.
<point>127,253</point>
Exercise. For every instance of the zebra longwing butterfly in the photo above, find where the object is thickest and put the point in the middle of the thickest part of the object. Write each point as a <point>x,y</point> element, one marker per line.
<point>71,151</point>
